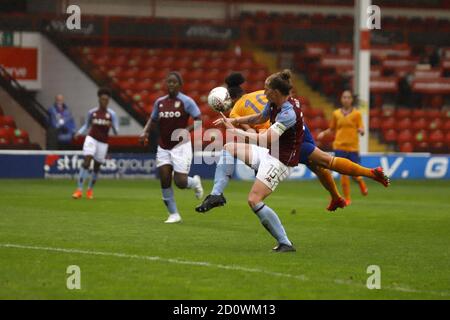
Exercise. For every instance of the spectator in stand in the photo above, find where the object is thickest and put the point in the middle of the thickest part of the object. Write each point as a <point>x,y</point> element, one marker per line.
<point>405,95</point>
<point>435,57</point>
<point>61,124</point>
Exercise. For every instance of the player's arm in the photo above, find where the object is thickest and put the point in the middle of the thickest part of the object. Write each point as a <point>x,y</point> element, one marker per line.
<point>330,130</point>
<point>115,123</point>
<point>252,119</point>
<point>360,124</point>
<point>265,138</point>
<point>151,122</point>
<point>235,114</point>
<point>84,128</point>
<point>192,108</point>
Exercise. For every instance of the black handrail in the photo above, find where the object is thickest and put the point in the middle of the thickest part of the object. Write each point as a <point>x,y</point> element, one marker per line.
<point>23,97</point>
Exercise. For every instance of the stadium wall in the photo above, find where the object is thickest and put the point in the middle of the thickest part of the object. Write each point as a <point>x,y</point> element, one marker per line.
<point>65,164</point>
<point>220,10</point>
<point>61,75</point>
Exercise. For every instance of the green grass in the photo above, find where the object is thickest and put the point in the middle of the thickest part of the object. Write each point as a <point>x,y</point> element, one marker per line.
<point>404,229</point>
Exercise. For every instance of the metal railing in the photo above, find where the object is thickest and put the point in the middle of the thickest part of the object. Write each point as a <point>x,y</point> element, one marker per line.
<point>23,97</point>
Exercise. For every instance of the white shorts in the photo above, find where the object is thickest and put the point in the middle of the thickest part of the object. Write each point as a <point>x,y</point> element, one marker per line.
<point>271,171</point>
<point>95,148</point>
<point>180,157</point>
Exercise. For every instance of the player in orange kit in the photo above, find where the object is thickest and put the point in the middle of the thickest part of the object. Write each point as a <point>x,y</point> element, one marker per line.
<point>347,124</point>
<point>317,160</point>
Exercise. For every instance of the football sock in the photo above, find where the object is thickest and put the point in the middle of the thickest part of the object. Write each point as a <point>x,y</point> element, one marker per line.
<point>271,222</point>
<point>82,176</point>
<point>191,183</point>
<point>93,179</point>
<point>362,184</point>
<point>224,170</point>
<point>349,168</point>
<point>327,181</point>
<point>345,182</point>
<point>169,200</point>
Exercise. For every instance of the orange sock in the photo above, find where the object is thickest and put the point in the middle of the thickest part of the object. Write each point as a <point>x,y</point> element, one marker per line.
<point>345,182</point>
<point>362,185</point>
<point>327,181</point>
<point>349,168</point>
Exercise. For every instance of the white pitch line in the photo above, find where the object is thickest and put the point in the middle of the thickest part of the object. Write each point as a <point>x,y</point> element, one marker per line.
<point>207,264</point>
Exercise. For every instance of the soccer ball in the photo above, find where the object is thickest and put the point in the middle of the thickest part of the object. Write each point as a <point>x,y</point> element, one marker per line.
<point>219,99</point>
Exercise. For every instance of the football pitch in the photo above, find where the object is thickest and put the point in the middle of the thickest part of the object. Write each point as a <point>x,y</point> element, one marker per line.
<point>125,251</point>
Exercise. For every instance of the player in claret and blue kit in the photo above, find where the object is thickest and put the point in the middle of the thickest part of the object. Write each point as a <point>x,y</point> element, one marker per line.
<point>275,163</point>
<point>99,120</point>
<point>174,154</point>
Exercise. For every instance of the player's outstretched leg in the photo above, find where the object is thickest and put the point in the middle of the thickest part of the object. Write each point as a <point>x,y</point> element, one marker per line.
<point>327,181</point>
<point>347,167</point>
<point>379,176</point>
<point>224,170</point>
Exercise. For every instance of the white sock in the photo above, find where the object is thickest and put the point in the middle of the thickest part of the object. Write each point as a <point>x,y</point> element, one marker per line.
<point>191,183</point>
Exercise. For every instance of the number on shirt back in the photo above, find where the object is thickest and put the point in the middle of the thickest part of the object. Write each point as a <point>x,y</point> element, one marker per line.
<point>250,104</point>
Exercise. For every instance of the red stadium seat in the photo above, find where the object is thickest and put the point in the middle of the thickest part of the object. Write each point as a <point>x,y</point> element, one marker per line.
<point>388,123</point>
<point>436,124</point>
<point>406,147</point>
<point>402,113</point>
<point>19,133</point>
<point>390,136</point>
<point>304,101</point>
<point>374,112</point>
<point>418,113</point>
<point>318,123</point>
<point>439,147</point>
<point>437,136</point>
<point>421,136</point>
<point>374,123</point>
<point>422,146</point>
<point>7,122</point>
<point>21,141</point>
<point>4,141</point>
<point>437,101</point>
<point>433,114</point>
<point>447,138</point>
<point>118,61</point>
<point>405,123</point>
<point>129,73</point>
<point>420,124</point>
<point>388,112</point>
<point>405,136</point>
<point>447,125</point>
<point>7,132</point>
<point>137,52</point>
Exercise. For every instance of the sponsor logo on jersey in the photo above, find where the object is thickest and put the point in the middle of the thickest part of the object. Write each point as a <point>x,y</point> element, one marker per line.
<point>170,114</point>
<point>101,122</point>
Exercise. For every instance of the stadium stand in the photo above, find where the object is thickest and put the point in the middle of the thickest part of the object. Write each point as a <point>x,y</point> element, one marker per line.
<point>139,73</point>
<point>12,137</point>
<point>409,73</point>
